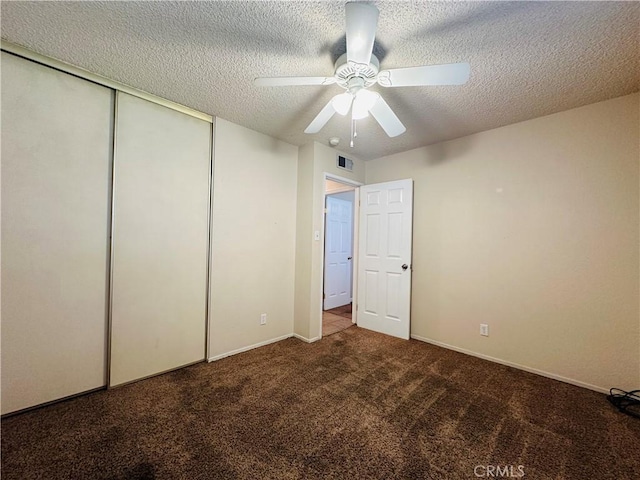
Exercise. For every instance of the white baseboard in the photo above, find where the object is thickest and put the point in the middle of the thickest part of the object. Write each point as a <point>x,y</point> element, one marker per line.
<point>305,339</point>
<point>514,365</point>
<point>249,347</point>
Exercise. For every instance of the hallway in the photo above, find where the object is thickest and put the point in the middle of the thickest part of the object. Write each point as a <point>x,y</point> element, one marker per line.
<point>336,320</point>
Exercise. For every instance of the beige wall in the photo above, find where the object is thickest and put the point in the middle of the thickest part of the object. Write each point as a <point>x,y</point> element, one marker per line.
<point>253,247</point>
<point>304,240</point>
<point>314,161</point>
<point>331,186</point>
<point>533,229</point>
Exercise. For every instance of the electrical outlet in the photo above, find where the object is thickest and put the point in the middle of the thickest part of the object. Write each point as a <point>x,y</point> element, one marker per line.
<point>263,319</point>
<point>484,329</point>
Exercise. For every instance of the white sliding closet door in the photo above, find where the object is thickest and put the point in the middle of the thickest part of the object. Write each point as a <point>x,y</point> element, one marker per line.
<point>56,181</point>
<point>160,239</point>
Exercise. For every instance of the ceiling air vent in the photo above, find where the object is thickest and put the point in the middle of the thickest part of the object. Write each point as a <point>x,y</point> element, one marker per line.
<point>345,163</point>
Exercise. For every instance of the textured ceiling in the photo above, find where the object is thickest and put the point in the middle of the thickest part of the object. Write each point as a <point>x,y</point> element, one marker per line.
<point>528,59</point>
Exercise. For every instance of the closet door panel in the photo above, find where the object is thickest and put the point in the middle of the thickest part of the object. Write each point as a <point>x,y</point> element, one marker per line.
<point>160,239</point>
<point>56,181</point>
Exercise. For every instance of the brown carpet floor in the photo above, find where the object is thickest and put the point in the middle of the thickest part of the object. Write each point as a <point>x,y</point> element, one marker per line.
<point>354,405</point>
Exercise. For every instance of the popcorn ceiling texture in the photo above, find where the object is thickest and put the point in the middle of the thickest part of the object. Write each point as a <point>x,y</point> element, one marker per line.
<point>528,59</point>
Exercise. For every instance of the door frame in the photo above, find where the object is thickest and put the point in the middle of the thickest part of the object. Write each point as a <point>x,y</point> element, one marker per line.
<point>356,214</point>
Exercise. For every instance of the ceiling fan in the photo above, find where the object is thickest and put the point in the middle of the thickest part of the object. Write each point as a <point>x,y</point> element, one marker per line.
<point>358,69</point>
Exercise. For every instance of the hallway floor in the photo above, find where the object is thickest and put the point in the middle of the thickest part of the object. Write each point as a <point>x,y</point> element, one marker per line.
<point>336,320</point>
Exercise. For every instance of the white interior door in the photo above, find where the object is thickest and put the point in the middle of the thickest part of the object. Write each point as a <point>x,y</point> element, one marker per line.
<point>338,252</point>
<point>384,255</point>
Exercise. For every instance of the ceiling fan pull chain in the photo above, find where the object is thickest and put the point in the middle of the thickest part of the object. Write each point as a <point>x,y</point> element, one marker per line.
<point>353,125</point>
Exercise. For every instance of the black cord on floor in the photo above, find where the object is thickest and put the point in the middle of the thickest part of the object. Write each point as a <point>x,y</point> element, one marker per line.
<point>626,402</point>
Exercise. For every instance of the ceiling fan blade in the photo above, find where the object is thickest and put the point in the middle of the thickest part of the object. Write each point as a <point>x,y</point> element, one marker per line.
<point>391,124</point>
<point>362,21</point>
<point>448,74</point>
<point>322,118</point>
<point>287,81</point>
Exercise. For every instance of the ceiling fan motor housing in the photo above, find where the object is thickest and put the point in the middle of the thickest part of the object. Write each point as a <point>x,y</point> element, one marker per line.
<point>346,72</point>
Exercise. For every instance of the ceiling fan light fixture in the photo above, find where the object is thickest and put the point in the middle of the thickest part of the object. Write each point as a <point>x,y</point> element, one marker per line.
<point>342,103</point>
<point>363,102</point>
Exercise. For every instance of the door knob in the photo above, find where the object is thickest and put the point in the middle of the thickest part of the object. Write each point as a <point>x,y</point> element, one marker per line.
<point>349,258</point>
<point>405,266</point>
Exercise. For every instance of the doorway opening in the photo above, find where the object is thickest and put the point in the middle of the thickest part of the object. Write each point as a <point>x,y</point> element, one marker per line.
<point>340,213</point>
